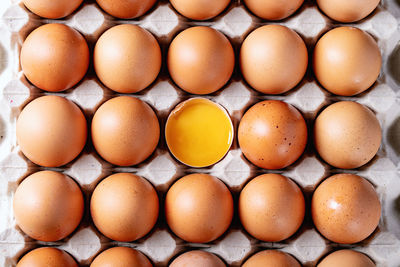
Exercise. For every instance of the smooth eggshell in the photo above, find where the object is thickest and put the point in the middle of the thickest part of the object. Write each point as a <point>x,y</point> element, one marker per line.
<point>272,9</point>
<point>197,258</point>
<point>48,206</point>
<point>52,9</point>
<point>347,134</point>
<point>125,131</point>
<point>47,256</point>
<point>347,10</point>
<point>271,258</point>
<point>121,257</point>
<point>200,60</point>
<point>54,57</point>
<point>346,258</point>
<point>200,9</point>
<point>199,208</point>
<point>124,207</point>
<point>272,134</point>
<point>126,9</point>
<point>127,58</point>
<point>51,131</point>
<point>271,207</point>
<point>345,208</point>
<point>273,59</point>
<point>347,61</point>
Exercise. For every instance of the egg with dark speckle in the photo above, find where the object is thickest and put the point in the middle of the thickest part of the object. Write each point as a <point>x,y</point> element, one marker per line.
<point>272,134</point>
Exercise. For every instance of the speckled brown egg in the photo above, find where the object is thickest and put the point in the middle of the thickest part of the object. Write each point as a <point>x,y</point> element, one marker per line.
<point>272,9</point>
<point>199,208</point>
<point>54,57</point>
<point>272,134</point>
<point>273,59</point>
<point>48,206</point>
<point>127,58</point>
<point>125,131</point>
<point>52,9</point>
<point>47,256</point>
<point>126,9</point>
<point>51,131</point>
<point>197,258</point>
<point>345,208</point>
<point>271,207</point>
<point>121,257</point>
<point>200,60</point>
<point>347,61</point>
<point>346,258</point>
<point>271,258</point>
<point>124,207</point>
<point>347,134</point>
<point>347,10</point>
<point>200,9</point>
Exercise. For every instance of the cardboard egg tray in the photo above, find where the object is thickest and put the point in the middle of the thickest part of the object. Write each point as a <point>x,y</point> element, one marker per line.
<point>161,169</point>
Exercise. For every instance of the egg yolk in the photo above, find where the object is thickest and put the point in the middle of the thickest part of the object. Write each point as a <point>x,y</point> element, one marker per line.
<point>199,132</point>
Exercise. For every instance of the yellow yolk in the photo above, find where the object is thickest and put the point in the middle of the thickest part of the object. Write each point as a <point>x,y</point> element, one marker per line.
<point>199,132</point>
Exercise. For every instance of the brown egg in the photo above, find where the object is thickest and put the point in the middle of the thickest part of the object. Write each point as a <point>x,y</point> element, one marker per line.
<point>48,206</point>
<point>126,9</point>
<point>347,10</point>
<point>54,57</point>
<point>271,258</point>
<point>272,9</point>
<point>347,61</point>
<point>273,59</point>
<point>125,131</point>
<point>345,208</point>
<point>200,60</point>
<point>346,258</point>
<point>52,9</point>
<point>197,258</point>
<point>51,131</point>
<point>272,134</point>
<point>347,135</point>
<point>199,208</point>
<point>124,207</point>
<point>47,256</point>
<point>127,58</point>
<point>200,9</point>
<point>271,207</point>
<point>121,257</point>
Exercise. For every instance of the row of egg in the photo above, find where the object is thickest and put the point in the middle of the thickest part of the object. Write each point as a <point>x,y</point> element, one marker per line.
<point>345,208</point>
<point>200,60</point>
<point>343,10</point>
<point>52,131</point>
<point>125,256</point>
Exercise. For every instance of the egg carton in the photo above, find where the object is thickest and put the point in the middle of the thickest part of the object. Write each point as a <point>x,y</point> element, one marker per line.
<point>161,169</point>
